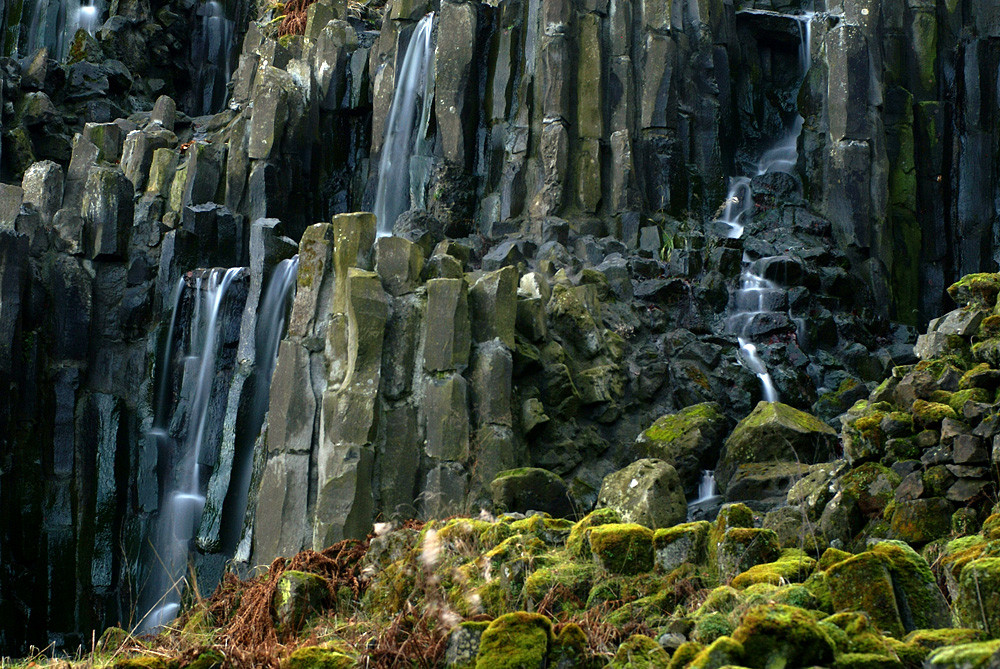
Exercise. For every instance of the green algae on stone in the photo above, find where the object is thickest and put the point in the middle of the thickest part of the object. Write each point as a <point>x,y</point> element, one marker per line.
<point>623,548</point>
<point>922,604</point>
<point>862,583</point>
<point>931,413</point>
<point>778,635</point>
<point>918,521</point>
<point>516,640</point>
<point>145,662</point>
<point>789,569</point>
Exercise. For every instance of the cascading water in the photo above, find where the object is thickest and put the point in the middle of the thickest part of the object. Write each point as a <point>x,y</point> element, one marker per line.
<point>182,507</point>
<point>410,102</point>
<point>755,296</point>
<point>54,24</point>
<point>271,325</point>
<point>210,55</point>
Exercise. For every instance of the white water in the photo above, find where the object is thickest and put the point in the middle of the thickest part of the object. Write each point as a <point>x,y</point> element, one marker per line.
<point>411,100</point>
<point>272,317</point>
<point>780,157</point>
<point>181,511</point>
<point>210,52</point>
<point>707,489</point>
<point>54,24</point>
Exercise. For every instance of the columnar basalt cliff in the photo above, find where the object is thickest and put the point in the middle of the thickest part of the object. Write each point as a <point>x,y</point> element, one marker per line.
<point>559,285</point>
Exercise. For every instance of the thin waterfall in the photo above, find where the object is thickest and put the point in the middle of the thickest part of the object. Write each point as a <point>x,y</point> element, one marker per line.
<point>755,296</point>
<point>411,101</point>
<point>272,318</point>
<point>182,507</point>
<point>210,55</point>
<point>54,24</point>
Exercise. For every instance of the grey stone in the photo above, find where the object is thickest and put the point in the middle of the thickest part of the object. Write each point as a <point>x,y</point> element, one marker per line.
<point>647,492</point>
<point>493,299</point>
<point>43,188</point>
<point>11,198</point>
<point>399,263</point>
<point>137,154</point>
<point>531,489</point>
<point>108,210</point>
<point>491,379</point>
<point>13,277</point>
<point>164,112</point>
<point>454,56</point>
<point>447,330</point>
<point>446,411</point>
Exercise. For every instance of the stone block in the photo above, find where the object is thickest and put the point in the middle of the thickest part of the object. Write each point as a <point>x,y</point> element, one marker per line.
<point>13,275</point>
<point>455,53</point>
<point>281,524</point>
<point>164,112</point>
<point>108,210</point>
<point>647,492</point>
<point>11,198</point>
<point>848,83</point>
<point>398,459</point>
<point>444,490</point>
<point>137,155</point>
<point>491,378</point>
<point>494,306</point>
<point>398,262</point>
<point>42,187</point>
<point>446,412</point>
<point>447,331</point>
<point>270,112</point>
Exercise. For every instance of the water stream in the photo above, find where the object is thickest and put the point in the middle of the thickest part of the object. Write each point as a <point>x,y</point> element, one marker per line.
<point>54,23</point>
<point>411,102</point>
<point>756,295</point>
<point>211,58</point>
<point>182,506</point>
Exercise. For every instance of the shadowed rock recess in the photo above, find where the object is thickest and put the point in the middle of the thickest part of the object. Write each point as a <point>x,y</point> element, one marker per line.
<point>525,422</point>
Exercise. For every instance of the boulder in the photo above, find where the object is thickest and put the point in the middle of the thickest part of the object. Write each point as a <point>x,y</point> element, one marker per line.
<point>531,489</point>
<point>297,596</point>
<point>775,432</point>
<point>515,640</point>
<point>689,440</point>
<point>648,492</point>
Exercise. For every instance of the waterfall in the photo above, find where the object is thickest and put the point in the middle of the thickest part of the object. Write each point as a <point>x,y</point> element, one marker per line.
<point>210,56</point>
<point>271,325</point>
<point>54,24</point>
<point>755,296</point>
<point>707,489</point>
<point>182,507</point>
<point>411,100</point>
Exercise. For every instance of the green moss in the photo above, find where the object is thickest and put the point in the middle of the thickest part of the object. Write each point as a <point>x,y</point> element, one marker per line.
<point>977,605</point>
<point>862,583</point>
<point>723,652</point>
<point>711,626</point>
<point>674,426</point>
<point>742,548</point>
<point>623,548</point>
<point>723,599</point>
<point>958,399</point>
<point>978,290</point>
<point>576,542</point>
<point>778,635</point>
<point>568,578</point>
<point>930,413</point>
<point>991,527</point>
<point>639,652</point>
<point>517,640</point>
<point>830,557</point>
<point>931,639</point>
<point>964,656</point>
<point>866,661</point>
<point>317,657</point>
<point>791,569</point>
<point>569,647</point>
<point>684,655</point>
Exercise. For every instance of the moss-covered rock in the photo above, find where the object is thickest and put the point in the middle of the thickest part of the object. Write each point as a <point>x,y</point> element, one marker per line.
<point>297,596</point>
<point>531,489</point>
<point>690,440</point>
<point>775,432</point>
<point>647,492</point>
<point>711,626</point>
<point>684,655</point>
<point>743,548</point>
<point>568,578</point>
<point>867,661</point>
<point>517,640</point>
<point>978,603</point>
<point>931,413</point>
<point>977,290</point>
<point>723,652</point>
<point>623,548</point>
<point>639,652</point>
<point>782,636</point>
<point>318,657</point>
<point>463,645</point>
<point>686,543</point>
<point>980,655</point>
<point>792,568</point>
<point>919,521</point>
<point>569,648</point>
<point>577,543</point>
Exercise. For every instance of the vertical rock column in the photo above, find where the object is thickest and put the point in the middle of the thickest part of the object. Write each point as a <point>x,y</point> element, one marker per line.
<point>349,415</point>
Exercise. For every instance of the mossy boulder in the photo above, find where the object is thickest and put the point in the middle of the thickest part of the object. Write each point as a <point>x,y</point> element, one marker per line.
<point>775,432</point>
<point>743,547</point>
<point>577,543</point>
<point>792,568</point>
<point>625,548</point>
<point>872,485</point>
<point>568,577</point>
<point>980,655</point>
<point>932,639</point>
<point>297,596</point>
<point>569,648</point>
<point>711,626</point>
<point>977,290</point>
<point>639,652</point>
<point>978,603</point>
<point>931,413</point>
<point>463,645</point>
<point>684,654</point>
<point>680,544</point>
<point>318,657</point>
<point>892,585</point>
<point>647,492</point>
<point>690,440</point>
<point>531,489</point>
<point>517,640</point>
<point>919,521</point>
<point>867,661</point>
<point>723,652</point>
<point>779,635</point>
